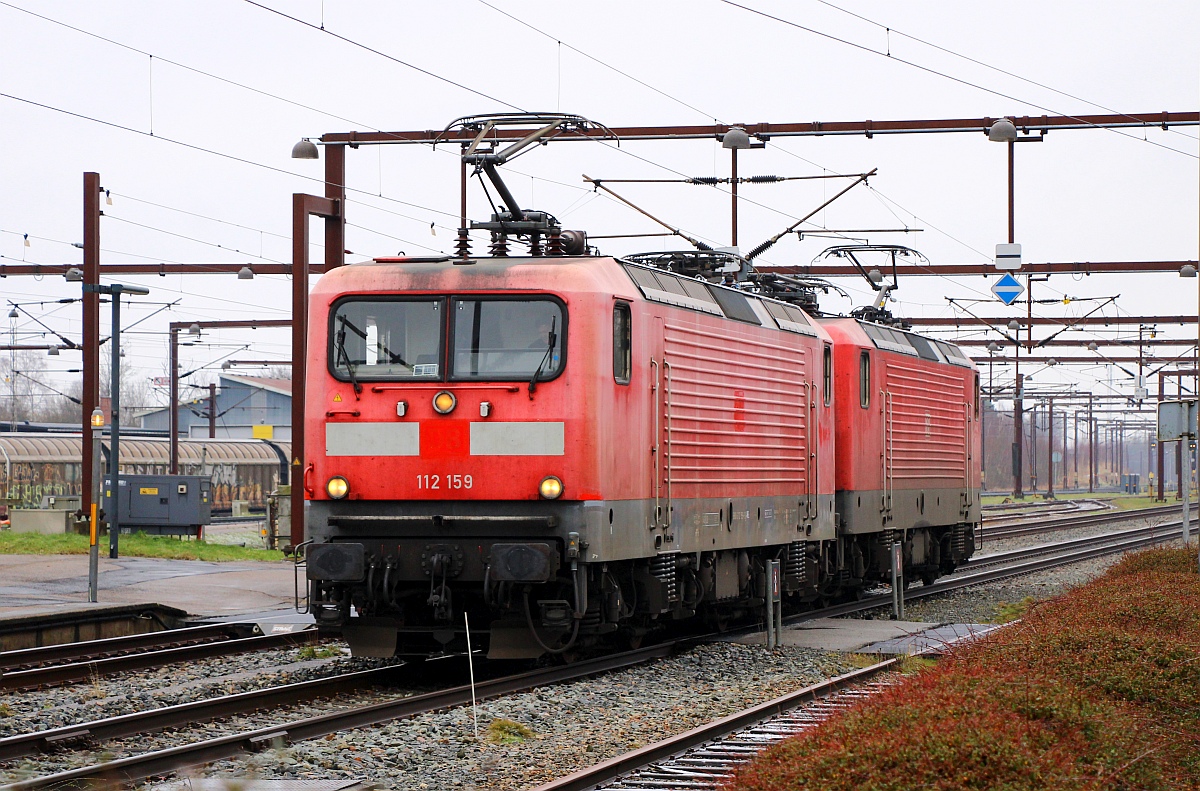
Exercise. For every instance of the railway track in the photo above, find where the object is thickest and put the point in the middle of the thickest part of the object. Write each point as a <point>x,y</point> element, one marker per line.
<point>1024,528</point>
<point>159,762</point>
<point>36,667</point>
<point>705,757</point>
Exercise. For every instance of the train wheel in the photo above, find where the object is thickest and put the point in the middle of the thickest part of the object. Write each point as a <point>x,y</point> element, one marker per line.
<point>630,639</point>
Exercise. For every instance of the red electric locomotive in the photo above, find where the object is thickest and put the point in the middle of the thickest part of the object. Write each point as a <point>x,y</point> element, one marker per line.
<point>907,434</point>
<point>566,451</point>
<point>561,448</point>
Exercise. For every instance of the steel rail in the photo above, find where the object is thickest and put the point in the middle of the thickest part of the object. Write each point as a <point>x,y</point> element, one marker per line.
<point>152,720</point>
<point>87,649</point>
<point>130,770</point>
<point>607,771</point>
<point>1071,545</point>
<point>1073,522</point>
<point>77,671</point>
<point>1040,559</point>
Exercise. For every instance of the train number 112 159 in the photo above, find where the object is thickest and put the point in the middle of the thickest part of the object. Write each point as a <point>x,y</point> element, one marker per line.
<point>444,481</point>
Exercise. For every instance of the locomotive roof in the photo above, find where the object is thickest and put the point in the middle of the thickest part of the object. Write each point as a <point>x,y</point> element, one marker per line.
<point>572,273</point>
<point>894,339</point>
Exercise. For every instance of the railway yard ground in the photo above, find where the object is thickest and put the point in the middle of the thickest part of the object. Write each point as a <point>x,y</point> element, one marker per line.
<point>546,732</point>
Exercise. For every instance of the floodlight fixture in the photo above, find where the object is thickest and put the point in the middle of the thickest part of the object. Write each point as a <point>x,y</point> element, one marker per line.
<point>1002,131</point>
<point>736,138</point>
<point>307,149</point>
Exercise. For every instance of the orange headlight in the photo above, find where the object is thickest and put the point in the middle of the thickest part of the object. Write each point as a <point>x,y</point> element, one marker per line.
<point>444,402</point>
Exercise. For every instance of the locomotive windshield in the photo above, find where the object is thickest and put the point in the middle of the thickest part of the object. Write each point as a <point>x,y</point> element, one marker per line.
<point>387,339</point>
<point>507,339</point>
<point>402,339</point>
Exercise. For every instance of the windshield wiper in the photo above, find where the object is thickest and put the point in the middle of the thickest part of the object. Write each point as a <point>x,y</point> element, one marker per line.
<point>551,340</point>
<point>343,357</point>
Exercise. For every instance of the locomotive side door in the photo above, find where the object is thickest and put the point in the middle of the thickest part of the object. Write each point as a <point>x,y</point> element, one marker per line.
<point>660,408</point>
<point>887,438</point>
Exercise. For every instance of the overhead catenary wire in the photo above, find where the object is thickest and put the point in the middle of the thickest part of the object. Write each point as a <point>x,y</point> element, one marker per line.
<point>382,54</point>
<point>944,75</point>
<point>275,96</point>
<point>984,64</point>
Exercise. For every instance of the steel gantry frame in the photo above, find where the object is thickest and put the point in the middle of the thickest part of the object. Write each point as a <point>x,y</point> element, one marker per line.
<point>331,208</point>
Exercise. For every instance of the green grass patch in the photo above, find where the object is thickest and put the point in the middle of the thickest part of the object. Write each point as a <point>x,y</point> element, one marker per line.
<point>1008,611</point>
<point>502,731</point>
<point>1096,689</point>
<point>134,545</point>
<point>320,652</point>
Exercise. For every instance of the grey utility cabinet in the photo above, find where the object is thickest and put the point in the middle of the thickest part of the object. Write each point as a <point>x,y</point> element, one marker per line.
<point>165,505</point>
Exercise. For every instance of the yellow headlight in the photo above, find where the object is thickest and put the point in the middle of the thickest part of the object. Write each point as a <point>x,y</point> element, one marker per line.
<point>337,487</point>
<point>444,403</point>
<point>550,488</point>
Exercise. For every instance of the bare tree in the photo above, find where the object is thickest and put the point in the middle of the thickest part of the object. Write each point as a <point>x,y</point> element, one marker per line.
<point>24,386</point>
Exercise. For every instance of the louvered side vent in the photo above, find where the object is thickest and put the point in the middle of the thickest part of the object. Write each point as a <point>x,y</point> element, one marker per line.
<point>663,567</point>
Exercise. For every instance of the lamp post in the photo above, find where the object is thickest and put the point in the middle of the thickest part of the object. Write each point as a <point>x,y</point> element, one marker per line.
<point>1005,131</point>
<point>736,140</point>
<point>114,456</point>
<point>97,422</point>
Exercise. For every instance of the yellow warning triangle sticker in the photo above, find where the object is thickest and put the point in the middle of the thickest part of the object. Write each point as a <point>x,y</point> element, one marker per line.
<point>337,397</point>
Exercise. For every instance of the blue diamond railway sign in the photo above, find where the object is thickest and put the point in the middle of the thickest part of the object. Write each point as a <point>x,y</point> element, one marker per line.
<point>1008,288</point>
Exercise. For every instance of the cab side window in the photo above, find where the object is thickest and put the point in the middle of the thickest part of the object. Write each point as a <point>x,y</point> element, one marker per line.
<point>622,343</point>
<point>864,379</point>
<point>827,376</point>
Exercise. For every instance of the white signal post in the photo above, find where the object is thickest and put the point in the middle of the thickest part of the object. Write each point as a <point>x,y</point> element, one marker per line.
<point>97,421</point>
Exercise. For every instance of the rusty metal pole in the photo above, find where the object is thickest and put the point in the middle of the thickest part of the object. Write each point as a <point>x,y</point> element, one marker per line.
<point>335,190</point>
<point>91,327</point>
<point>1162,479</point>
<point>332,209</point>
<point>1018,434</point>
<point>1050,449</point>
<point>173,408</point>
<point>212,411</point>
<point>1065,482</point>
<point>1091,448</point>
<point>299,359</point>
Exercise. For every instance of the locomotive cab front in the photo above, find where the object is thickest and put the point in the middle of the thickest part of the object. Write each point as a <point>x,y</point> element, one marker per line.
<point>458,452</point>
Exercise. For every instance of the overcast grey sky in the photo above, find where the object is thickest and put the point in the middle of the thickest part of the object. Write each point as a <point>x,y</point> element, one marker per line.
<point>230,76</point>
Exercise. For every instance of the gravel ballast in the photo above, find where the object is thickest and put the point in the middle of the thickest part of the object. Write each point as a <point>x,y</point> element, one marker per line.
<point>570,725</point>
